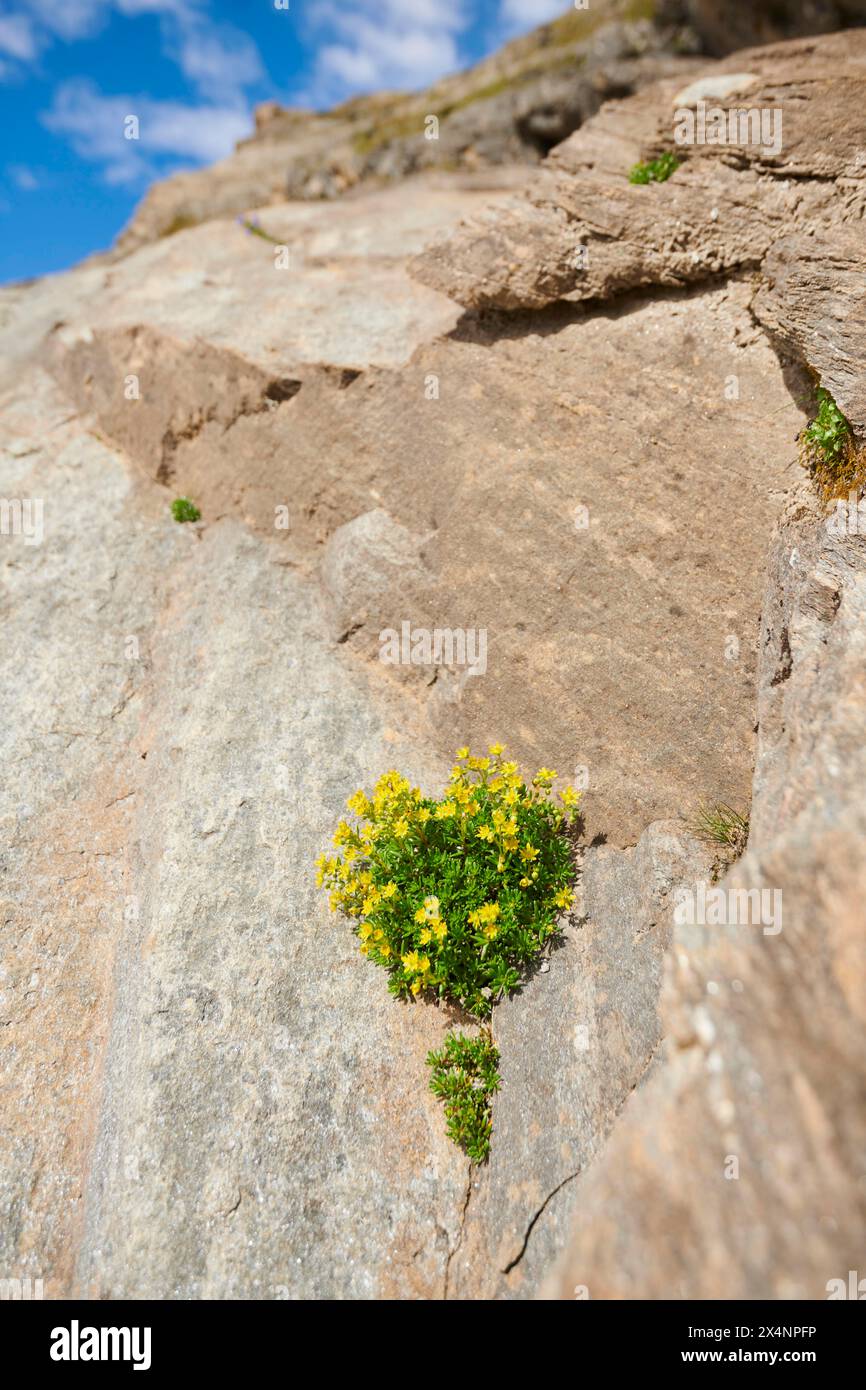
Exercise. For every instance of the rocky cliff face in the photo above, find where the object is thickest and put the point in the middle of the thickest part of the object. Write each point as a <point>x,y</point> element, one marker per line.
<point>569,423</point>
<point>511,108</point>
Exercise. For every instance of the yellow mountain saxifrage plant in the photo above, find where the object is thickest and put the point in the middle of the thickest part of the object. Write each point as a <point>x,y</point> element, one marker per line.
<point>455,897</point>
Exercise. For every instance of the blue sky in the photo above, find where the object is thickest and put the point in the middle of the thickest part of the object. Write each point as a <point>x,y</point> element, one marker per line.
<point>192,71</point>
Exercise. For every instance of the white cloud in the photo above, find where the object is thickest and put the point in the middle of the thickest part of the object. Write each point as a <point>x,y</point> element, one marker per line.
<point>94,125</point>
<point>18,37</point>
<point>76,19</point>
<point>70,19</point>
<point>519,16</point>
<point>219,62</point>
<point>181,9</point>
<point>23,177</point>
<point>385,43</point>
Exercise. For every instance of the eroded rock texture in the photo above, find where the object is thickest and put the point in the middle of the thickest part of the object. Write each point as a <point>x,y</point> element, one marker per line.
<point>737,1171</point>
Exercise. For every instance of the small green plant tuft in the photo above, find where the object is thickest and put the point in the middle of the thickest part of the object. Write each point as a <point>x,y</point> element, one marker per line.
<point>465,1077</point>
<point>184,510</point>
<point>829,432</point>
<point>828,449</point>
<point>721,825</point>
<point>654,170</point>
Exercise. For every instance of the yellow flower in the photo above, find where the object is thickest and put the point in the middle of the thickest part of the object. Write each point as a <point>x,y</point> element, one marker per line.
<point>389,890</point>
<point>544,776</point>
<point>440,931</point>
<point>510,842</point>
<point>488,913</point>
<point>485,832</point>
<point>490,931</point>
<point>570,798</point>
<point>324,867</point>
<point>358,803</point>
<point>495,749</point>
<point>416,986</point>
<point>463,752</point>
<point>525,882</point>
<point>343,833</point>
<point>385,949</point>
<point>401,828</point>
<point>411,962</point>
<point>420,915</point>
<point>528,853</point>
<point>446,810</point>
<point>423,815</point>
<point>365,931</point>
<point>425,936</point>
<point>564,898</point>
<point>511,796</point>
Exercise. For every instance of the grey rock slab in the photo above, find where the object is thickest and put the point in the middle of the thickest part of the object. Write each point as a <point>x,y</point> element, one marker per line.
<point>266,1130</point>
<point>206,1090</point>
<point>329,286</point>
<point>363,559</point>
<point>811,300</point>
<point>574,1042</point>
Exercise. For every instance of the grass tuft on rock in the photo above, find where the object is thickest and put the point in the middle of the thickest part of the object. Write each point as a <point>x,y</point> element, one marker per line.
<point>182,509</point>
<point>720,824</point>
<point>654,170</point>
